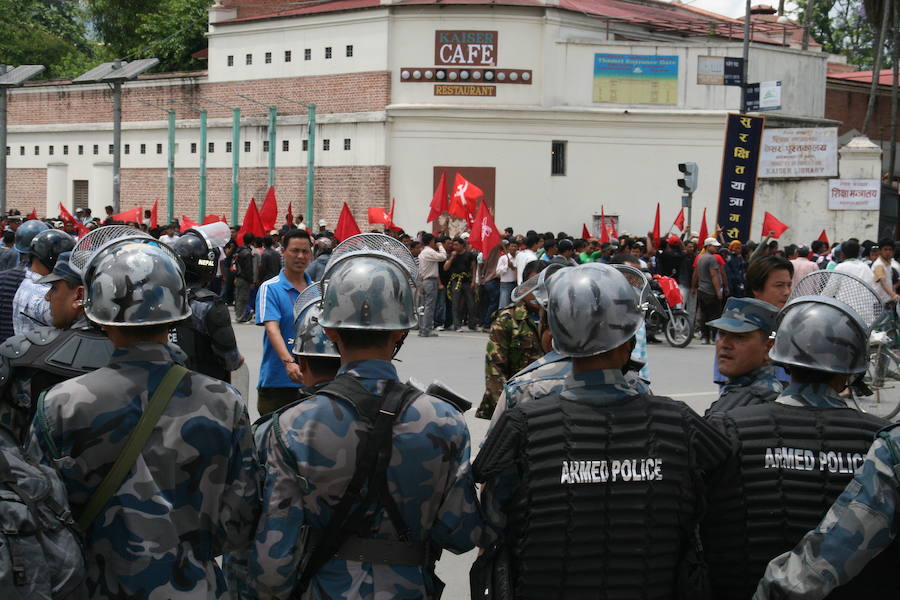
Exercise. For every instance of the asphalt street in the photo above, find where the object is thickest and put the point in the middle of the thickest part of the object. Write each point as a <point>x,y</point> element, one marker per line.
<point>457,359</point>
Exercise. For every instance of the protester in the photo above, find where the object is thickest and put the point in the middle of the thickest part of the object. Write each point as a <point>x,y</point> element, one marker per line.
<point>430,258</point>
<point>460,266</point>
<point>243,266</point>
<point>708,287</point>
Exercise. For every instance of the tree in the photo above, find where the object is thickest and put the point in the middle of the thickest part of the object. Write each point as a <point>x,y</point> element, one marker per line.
<point>842,28</point>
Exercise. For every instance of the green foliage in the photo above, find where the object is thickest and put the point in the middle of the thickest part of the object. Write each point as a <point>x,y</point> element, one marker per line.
<point>843,27</point>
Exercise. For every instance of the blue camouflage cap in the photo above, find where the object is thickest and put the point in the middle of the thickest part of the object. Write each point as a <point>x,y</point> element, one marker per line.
<point>742,315</point>
<point>62,271</point>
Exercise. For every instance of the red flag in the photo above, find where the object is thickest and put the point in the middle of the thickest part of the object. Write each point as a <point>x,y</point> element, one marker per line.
<point>772,227</point>
<point>32,215</point>
<point>824,238</point>
<point>65,215</point>
<point>211,219</point>
<point>252,223</point>
<point>612,229</point>
<point>465,193</point>
<point>439,199</point>
<point>656,228</point>
<point>704,232</point>
<point>186,224</point>
<point>585,234</point>
<point>379,216</point>
<point>604,232</point>
<point>679,220</point>
<point>346,225</point>
<point>129,216</point>
<point>154,215</point>
<point>484,235</point>
<point>269,211</point>
<point>289,218</point>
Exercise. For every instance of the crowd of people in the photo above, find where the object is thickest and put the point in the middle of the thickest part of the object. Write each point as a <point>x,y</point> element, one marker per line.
<point>133,466</point>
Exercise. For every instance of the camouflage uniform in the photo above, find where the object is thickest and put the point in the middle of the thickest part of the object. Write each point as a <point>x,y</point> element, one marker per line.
<point>431,482</point>
<point>513,344</point>
<point>756,387</point>
<point>191,495</point>
<point>811,394</point>
<point>861,523</point>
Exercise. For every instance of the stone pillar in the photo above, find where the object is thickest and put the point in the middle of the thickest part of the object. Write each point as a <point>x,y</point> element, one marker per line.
<point>860,159</point>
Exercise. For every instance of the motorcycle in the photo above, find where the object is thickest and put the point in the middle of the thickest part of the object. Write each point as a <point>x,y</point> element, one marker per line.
<point>666,314</point>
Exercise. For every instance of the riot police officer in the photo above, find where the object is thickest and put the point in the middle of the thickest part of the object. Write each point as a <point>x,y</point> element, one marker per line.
<point>157,460</point>
<point>793,457</point>
<point>374,476</point>
<point>30,307</point>
<point>207,337</point>
<point>597,487</point>
<point>11,278</point>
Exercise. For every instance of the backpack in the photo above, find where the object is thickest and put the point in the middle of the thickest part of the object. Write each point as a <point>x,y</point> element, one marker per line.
<point>41,556</point>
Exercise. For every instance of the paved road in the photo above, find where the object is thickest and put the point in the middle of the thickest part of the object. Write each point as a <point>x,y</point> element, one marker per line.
<point>457,359</point>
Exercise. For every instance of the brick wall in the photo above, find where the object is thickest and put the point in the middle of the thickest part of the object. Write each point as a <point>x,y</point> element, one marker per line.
<point>849,107</point>
<point>359,187</point>
<point>26,189</point>
<point>349,92</point>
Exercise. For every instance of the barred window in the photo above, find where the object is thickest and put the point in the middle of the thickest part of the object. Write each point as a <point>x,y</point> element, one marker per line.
<point>287,56</point>
<point>326,145</point>
<point>246,146</point>
<point>349,50</point>
<point>143,149</point>
<point>346,143</point>
<point>327,51</point>
<point>211,147</point>
<point>558,158</point>
<point>265,145</point>
<point>305,145</point>
<point>227,147</point>
<point>230,61</point>
<point>307,54</point>
<point>249,59</point>
<point>268,58</point>
<point>193,147</point>
<point>285,145</point>
<point>159,148</point>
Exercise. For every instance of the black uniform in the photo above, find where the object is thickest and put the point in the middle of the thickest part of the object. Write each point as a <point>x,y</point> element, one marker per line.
<point>207,336</point>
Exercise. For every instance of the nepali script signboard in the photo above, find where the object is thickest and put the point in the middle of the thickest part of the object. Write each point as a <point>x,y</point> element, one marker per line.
<point>854,194</point>
<point>795,152</point>
<point>737,188</point>
<point>635,79</point>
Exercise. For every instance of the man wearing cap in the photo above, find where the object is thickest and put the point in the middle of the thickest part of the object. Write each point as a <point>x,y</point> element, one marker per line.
<point>323,253</point>
<point>709,287</point>
<point>742,352</point>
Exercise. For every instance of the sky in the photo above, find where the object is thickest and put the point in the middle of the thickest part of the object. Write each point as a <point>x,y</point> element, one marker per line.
<point>729,8</point>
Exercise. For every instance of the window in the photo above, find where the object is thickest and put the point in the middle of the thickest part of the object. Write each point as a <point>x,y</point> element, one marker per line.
<point>9,150</point>
<point>37,150</point>
<point>230,60</point>
<point>307,54</point>
<point>246,146</point>
<point>285,145</point>
<point>127,148</point>
<point>96,149</point>
<point>65,149</point>
<point>349,50</point>
<point>249,59</point>
<point>227,146</point>
<point>326,145</point>
<point>287,56</point>
<point>80,149</point>
<point>346,143</point>
<point>49,150</point>
<point>305,145</point>
<point>211,147</point>
<point>268,58</point>
<point>193,147</point>
<point>112,148</point>
<point>143,148</point>
<point>558,158</point>
<point>21,150</point>
<point>265,145</point>
<point>159,148</point>
<point>327,51</point>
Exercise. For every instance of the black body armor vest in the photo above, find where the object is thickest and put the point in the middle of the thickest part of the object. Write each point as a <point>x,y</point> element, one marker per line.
<point>608,503</point>
<point>192,336</point>
<point>791,464</point>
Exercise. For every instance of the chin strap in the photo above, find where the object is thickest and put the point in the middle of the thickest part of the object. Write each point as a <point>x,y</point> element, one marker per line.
<point>398,346</point>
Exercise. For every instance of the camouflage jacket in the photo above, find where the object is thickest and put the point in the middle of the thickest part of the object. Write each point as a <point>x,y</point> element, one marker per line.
<point>513,343</point>
<point>862,522</point>
<point>429,475</point>
<point>191,495</point>
<point>756,387</point>
<point>811,394</point>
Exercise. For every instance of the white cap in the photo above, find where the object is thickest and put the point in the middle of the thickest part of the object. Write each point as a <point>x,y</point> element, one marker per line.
<point>322,222</point>
<point>711,241</point>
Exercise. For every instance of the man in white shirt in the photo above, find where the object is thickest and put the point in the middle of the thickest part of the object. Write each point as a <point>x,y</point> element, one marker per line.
<point>852,265</point>
<point>506,269</point>
<point>882,269</point>
<point>168,235</point>
<point>432,254</point>
<point>526,255</point>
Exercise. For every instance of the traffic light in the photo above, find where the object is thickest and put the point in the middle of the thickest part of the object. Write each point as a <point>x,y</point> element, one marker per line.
<point>689,181</point>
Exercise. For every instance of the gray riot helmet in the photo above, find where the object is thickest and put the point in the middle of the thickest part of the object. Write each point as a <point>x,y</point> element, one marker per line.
<point>592,309</point>
<point>537,285</point>
<point>826,322</point>
<point>27,232</point>
<point>310,338</point>
<point>133,282</point>
<point>369,283</point>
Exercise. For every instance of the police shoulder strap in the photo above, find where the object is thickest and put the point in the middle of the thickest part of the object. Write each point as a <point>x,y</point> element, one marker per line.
<point>133,446</point>
<point>372,458</point>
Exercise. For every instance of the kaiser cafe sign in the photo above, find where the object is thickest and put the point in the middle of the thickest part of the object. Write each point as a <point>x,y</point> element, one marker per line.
<point>464,62</point>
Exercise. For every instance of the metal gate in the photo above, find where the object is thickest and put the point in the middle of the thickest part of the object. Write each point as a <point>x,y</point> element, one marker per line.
<point>79,194</point>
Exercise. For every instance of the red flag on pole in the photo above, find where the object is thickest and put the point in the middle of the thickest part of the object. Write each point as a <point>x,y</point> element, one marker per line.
<point>269,211</point>
<point>484,235</point>
<point>704,232</point>
<point>465,193</point>
<point>129,216</point>
<point>289,218</point>
<point>679,220</point>
<point>824,238</point>
<point>604,232</point>
<point>186,223</point>
<point>585,234</point>
<point>379,216</point>
<point>613,232</point>
<point>32,215</point>
<point>656,228</point>
<point>65,215</point>
<point>154,215</point>
<point>252,223</point>
<point>438,200</point>
<point>772,227</point>
<point>346,225</point>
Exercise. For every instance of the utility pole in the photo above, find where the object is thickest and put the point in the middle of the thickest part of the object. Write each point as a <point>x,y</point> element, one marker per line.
<point>746,55</point>
<point>310,163</point>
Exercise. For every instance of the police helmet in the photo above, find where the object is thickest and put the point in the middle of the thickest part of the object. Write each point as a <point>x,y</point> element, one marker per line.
<point>48,245</point>
<point>26,232</point>
<point>310,338</point>
<point>198,258</point>
<point>592,309</point>
<point>135,281</point>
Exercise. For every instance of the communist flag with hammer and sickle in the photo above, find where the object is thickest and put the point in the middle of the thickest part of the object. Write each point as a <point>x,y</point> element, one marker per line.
<point>465,193</point>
